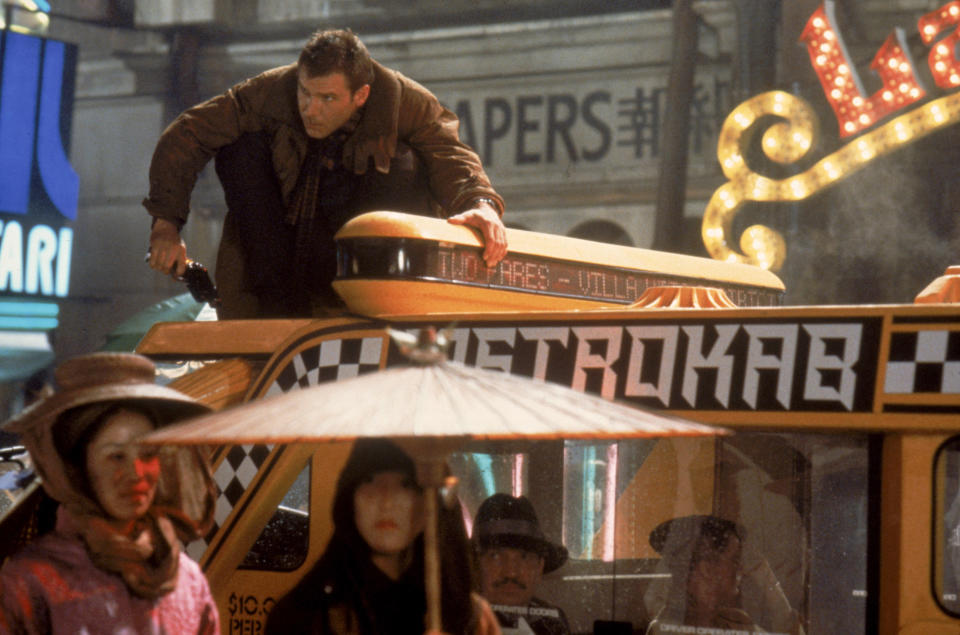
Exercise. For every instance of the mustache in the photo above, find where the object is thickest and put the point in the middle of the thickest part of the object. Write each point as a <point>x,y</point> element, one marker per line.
<point>508,580</point>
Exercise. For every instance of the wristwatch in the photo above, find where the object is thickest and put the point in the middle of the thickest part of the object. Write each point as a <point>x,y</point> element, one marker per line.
<point>489,201</point>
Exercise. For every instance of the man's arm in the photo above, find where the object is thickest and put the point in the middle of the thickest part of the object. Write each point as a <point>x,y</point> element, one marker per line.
<point>189,143</point>
<point>484,217</point>
<point>168,252</point>
<point>458,180</point>
<point>456,176</point>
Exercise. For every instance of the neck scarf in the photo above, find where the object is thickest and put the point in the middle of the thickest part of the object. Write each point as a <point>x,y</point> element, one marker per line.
<point>320,206</point>
<point>323,155</point>
<point>146,556</point>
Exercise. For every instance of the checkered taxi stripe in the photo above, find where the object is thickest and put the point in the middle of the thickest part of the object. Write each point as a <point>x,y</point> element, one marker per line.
<point>331,360</point>
<point>924,362</point>
<point>328,361</point>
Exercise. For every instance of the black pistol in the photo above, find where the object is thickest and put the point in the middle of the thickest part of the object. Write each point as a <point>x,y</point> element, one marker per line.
<point>199,284</point>
<point>198,281</point>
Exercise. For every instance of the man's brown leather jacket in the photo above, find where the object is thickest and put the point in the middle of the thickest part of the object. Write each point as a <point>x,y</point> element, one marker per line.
<point>398,112</point>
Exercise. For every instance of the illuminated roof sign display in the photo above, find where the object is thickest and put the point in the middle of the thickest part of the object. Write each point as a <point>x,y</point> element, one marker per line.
<point>406,259</point>
<point>39,189</point>
<point>878,124</point>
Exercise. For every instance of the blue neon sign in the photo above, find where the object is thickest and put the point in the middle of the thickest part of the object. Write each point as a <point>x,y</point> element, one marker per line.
<point>31,120</point>
<point>39,189</point>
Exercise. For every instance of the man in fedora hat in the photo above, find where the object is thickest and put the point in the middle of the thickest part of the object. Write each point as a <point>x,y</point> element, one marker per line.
<point>708,565</point>
<point>513,554</point>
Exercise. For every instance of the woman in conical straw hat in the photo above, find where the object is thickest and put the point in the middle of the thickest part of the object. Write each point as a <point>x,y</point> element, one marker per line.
<point>115,561</point>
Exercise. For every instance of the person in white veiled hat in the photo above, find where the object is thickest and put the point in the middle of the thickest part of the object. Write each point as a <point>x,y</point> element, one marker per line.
<point>114,562</point>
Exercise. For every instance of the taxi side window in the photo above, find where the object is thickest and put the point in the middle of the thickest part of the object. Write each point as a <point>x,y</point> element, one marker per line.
<point>946,539</point>
<point>797,506</point>
<point>482,474</point>
<point>284,542</point>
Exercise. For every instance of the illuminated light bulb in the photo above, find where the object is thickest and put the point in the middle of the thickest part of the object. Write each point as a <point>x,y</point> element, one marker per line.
<point>798,187</point>
<point>829,35</point>
<point>940,66</point>
<point>942,50</point>
<point>831,170</point>
<point>915,93</point>
<point>836,93</point>
<point>826,48</point>
<point>892,63</point>
<point>904,87</point>
<point>839,81</point>
<point>821,60</point>
<point>954,10</point>
<point>929,31</point>
<point>849,126</point>
<point>742,120</point>
<point>819,22</point>
<point>843,69</point>
<point>858,101</point>
<point>904,67</point>
<point>865,119</point>
<point>955,79</point>
<point>887,95</point>
<point>732,258</point>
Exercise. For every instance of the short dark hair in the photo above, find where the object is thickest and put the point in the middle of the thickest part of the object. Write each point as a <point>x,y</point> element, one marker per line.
<point>337,51</point>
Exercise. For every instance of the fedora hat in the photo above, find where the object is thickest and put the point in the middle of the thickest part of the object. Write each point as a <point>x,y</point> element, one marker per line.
<point>678,537</point>
<point>510,521</point>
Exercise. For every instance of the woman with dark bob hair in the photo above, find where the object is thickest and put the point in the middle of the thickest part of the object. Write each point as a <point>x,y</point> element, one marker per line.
<point>114,562</point>
<point>370,578</point>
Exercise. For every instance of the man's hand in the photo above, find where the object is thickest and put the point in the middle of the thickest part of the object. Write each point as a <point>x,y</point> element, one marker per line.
<point>487,220</point>
<point>168,252</point>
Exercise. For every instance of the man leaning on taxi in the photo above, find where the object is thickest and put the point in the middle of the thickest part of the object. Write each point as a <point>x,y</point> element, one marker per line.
<point>300,150</point>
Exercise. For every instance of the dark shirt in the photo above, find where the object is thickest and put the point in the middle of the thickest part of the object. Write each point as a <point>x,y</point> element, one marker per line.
<point>350,597</point>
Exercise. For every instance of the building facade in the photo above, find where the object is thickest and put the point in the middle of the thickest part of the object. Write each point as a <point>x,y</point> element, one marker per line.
<point>564,101</point>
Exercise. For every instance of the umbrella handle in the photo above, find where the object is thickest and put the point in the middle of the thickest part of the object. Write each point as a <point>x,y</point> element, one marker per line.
<point>430,459</point>
<point>431,560</point>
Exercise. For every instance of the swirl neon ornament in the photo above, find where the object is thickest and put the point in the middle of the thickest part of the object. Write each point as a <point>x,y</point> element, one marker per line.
<point>786,141</point>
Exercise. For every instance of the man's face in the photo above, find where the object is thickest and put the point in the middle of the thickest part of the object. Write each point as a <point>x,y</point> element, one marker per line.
<point>326,102</point>
<point>727,571</point>
<point>509,576</point>
<point>715,580</point>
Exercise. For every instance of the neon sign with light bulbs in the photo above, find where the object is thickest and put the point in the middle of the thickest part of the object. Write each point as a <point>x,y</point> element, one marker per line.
<point>790,138</point>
